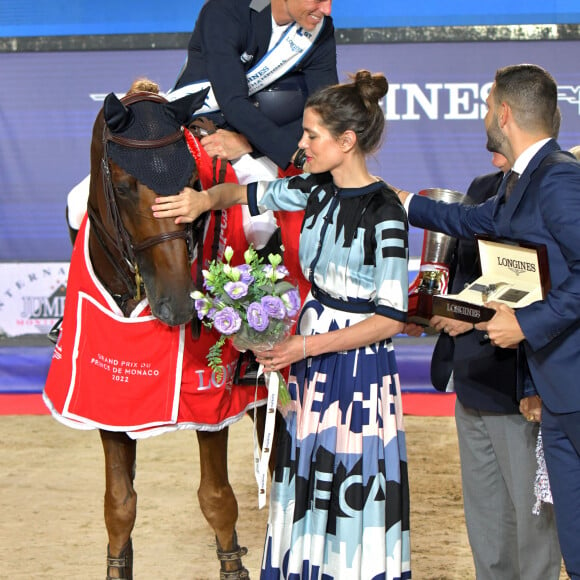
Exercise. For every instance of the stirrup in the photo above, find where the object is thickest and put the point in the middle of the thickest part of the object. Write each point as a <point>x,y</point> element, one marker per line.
<point>54,332</point>
<point>124,562</point>
<point>246,372</point>
<point>234,555</point>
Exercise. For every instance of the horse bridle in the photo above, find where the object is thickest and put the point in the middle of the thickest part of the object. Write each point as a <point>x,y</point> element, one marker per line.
<point>122,240</point>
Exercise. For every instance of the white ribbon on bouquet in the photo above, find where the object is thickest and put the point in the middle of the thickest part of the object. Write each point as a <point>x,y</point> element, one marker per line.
<point>262,456</point>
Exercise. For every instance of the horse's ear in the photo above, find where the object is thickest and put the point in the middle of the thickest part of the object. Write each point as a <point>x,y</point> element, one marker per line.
<point>117,116</point>
<point>182,109</point>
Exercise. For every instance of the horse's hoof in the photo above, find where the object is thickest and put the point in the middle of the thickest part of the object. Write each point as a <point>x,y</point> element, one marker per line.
<point>123,563</point>
<point>241,574</point>
<point>233,557</point>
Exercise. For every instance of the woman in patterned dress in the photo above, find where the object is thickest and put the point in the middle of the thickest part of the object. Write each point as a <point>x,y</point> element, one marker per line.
<point>339,504</point>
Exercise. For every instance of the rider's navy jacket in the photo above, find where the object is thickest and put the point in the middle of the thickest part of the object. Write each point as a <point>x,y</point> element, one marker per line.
<point>230,36</point>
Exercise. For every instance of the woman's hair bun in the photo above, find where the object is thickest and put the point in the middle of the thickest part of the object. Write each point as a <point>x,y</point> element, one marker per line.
<point>371,87</point>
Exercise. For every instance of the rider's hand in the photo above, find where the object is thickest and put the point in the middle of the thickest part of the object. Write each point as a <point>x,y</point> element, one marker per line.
<point>226,144</point>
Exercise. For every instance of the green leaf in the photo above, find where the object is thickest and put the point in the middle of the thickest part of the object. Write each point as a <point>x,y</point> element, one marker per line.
<point>214,358</point>
<point>283,286</point>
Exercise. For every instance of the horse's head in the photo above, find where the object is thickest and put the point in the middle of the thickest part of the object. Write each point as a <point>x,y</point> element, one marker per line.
<point>139,151</point>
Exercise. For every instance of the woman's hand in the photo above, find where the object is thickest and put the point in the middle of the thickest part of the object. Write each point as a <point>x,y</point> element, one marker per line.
<point>185,207</point>
<point>282,354</point>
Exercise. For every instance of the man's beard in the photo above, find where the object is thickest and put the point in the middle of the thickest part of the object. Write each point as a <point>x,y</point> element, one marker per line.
<point>495,138</point>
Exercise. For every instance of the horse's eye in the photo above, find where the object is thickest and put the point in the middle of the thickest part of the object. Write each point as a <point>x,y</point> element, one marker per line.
<point>126,185</point>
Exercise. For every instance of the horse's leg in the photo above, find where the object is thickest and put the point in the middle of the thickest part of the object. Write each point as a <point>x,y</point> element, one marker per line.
<point>120,502</point>
<point>218,502</point>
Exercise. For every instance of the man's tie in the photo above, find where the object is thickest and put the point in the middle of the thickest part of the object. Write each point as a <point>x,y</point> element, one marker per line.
<point>510,183</point>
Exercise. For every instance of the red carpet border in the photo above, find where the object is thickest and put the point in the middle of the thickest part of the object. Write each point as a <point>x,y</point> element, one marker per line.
<point>421,404</point>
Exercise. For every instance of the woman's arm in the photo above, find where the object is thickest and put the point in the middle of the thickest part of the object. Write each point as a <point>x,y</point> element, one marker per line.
<point>367,331</point>
<point>189,204</point>
<point>296,347</point>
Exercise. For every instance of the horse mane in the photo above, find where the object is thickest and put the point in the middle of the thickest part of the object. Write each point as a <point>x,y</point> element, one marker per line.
<point>143,84</point>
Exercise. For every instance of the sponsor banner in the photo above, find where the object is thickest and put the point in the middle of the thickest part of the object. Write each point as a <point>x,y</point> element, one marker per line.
<point>31,297</point>
<point>435,136</point>
<point>41,18</point>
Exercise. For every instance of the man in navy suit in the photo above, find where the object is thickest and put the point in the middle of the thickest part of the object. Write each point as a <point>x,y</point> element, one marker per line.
<point>543,208</point>
<point>229,38</point>
<point>497,445</point>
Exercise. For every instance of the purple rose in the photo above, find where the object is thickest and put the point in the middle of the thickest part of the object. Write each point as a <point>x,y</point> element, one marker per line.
<point>274,307</point>
<point>291,300</point>
<point>245,273</point>
<point>227,321</point>
<point>236,290</point>
<point>257,317</point>
<point>202,306</point>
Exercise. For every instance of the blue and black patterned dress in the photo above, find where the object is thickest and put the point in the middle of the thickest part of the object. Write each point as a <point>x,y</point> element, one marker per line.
<point>339,504</point>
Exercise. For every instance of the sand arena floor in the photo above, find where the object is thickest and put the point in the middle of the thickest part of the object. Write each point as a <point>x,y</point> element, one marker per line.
<point>51,501</point>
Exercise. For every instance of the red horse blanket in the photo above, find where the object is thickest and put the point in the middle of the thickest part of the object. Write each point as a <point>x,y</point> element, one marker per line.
<point>137,374</point>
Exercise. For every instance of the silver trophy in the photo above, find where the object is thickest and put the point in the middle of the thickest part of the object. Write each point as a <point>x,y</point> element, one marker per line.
<point>433,276</point>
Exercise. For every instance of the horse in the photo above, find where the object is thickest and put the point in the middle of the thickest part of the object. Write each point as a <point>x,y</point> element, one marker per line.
<point>141,149</point>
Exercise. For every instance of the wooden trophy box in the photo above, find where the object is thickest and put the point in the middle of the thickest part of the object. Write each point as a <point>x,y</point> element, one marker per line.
<point>515,273</point>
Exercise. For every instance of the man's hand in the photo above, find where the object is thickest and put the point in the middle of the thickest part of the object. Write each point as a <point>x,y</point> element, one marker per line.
<point>226,144</point>
<point>450,326</point>
<point>503,329</point>
<point>531,408</point>
<point>412,329</point>
<point>403,195</point>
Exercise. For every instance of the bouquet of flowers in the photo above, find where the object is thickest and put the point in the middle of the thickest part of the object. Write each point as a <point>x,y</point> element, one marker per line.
<point>252,303</point>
